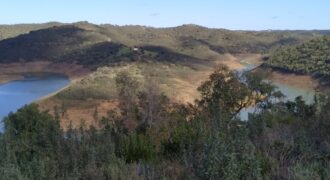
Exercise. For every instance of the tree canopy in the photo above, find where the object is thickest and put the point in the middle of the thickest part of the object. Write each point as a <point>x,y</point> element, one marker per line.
<point>149,137</point>
<point>312,57</point>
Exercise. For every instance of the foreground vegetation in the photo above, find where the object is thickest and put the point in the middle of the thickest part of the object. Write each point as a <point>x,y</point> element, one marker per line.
<point>312,57</point>
<point>149,137</point>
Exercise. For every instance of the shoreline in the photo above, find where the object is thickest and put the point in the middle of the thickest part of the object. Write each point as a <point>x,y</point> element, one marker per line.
<point>239,62</point>
<point>306,82</point>
<point>16,71</point>
<point>6,78</point>
<point>298,81</point>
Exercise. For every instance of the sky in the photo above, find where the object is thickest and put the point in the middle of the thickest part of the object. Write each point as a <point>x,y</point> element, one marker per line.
<point>229,14</point>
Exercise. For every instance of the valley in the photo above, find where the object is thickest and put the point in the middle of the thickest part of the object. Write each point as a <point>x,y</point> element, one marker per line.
<point>186,102</point>
<point>91,91</point>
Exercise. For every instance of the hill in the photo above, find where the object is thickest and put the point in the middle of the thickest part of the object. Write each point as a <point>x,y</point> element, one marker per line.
<point>177,58</point>
<point>312,57</point>
<point>97,45</point>
<point>47,44</point>
<point>9,31</point>
<point>207,43</point>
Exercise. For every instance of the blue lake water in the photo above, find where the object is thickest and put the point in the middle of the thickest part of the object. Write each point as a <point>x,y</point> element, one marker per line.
<point>15,94</point>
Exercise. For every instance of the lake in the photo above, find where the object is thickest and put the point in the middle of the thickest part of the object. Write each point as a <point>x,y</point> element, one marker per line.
<point>290,93</point>
<point>15,94</point>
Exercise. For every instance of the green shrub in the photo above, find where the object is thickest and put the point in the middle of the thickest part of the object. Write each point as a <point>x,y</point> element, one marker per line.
<point>135,147</point>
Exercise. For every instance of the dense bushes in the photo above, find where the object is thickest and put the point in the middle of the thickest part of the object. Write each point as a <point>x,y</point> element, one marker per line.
<point>151,138</point>
<point>135,147</point>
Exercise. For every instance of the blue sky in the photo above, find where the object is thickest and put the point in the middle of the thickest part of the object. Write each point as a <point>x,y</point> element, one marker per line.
<point>229,14</point>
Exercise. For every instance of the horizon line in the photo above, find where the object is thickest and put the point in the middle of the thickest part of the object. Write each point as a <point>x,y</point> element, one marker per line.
<point>159,27</point>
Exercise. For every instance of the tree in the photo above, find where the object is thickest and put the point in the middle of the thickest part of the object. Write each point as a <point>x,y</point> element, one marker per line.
<point>223,96</point>
<point>127,88</point>
<point>32,138</point>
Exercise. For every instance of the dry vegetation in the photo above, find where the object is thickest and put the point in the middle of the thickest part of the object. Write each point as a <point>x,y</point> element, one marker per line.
<point>98,90</point>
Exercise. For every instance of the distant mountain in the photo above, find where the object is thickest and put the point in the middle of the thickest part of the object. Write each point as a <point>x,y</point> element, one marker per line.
<point>312,57</point>
<point>96,45</point>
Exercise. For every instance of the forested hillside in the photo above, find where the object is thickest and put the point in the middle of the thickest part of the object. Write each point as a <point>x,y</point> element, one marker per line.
<point>47,44</point>
<point>312,57</point>
<point>97,45</point>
